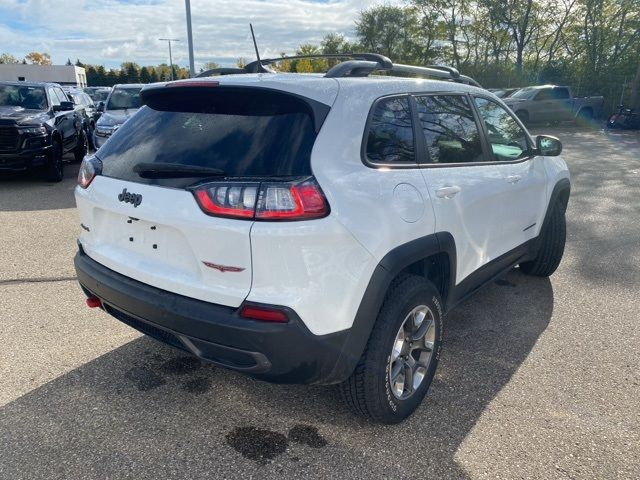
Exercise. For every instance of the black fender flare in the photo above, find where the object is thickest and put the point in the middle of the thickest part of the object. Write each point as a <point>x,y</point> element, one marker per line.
<point>560,193</point>
<point>387,269</point>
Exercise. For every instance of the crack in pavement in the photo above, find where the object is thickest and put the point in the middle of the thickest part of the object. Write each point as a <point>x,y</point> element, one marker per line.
<point>18,281</point>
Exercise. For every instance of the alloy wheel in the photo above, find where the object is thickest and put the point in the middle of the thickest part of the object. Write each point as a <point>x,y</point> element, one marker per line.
<point>412,352</point>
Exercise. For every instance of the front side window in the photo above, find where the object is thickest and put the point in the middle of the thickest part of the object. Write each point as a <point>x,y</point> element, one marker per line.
<point>508,139</point>
<point>546,94</point>
<point>390,137</point>
<point>450,131</point>
<point>560,93</point>
<point>54,97</point>
<point>61,95</point>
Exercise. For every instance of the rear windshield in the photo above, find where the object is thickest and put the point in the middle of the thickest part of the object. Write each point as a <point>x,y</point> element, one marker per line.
<point>243,132</point>
<point>98,95</point>
<point>124,98</point>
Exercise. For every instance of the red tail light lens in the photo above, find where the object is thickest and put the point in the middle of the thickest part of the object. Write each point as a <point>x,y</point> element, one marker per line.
<point>89,169</point>
<point>301,200</point>
<point>264,314</point>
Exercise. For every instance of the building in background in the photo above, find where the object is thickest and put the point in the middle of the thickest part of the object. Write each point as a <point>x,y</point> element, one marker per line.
<point>62,74</point>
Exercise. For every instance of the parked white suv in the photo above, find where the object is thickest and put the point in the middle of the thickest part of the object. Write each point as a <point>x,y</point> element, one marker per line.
<point>316,229</point>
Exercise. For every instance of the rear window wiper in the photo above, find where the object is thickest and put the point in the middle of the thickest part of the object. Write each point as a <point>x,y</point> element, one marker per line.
<point>174,170</point>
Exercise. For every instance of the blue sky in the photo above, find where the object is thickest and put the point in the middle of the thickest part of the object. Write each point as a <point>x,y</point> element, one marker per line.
<point>111,31</point>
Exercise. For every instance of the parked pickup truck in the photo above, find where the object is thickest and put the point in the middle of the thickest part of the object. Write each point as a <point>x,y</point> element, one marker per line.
<point>550,103</point>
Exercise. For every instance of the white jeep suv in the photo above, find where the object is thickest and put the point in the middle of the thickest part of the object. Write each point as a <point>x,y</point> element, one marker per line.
<point>316,228</point>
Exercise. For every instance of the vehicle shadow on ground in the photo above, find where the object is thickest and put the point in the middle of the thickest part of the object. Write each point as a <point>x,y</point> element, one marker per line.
<point>29,192</point>
<point>146,411</point>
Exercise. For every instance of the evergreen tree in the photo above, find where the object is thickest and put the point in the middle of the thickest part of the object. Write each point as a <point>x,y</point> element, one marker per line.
<point>145,76</point>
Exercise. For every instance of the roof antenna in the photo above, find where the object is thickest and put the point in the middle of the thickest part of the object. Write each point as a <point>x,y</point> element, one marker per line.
<point>261,68</point>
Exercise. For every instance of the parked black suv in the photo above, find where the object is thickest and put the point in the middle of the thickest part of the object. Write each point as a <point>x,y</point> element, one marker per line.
<point>85,108</point>
<point>38,124</point>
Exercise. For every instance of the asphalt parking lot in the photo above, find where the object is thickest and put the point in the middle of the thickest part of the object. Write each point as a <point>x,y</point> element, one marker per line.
<point>539,378</point>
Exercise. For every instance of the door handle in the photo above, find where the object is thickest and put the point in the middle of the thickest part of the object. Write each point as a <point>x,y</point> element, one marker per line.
<point>514,178</point>
<point>447,192</point>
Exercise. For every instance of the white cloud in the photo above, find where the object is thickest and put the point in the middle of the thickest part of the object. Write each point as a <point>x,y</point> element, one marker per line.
<point>111,31</point>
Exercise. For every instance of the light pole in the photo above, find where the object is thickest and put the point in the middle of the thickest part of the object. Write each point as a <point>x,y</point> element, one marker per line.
<point>192,68</point>
<point>170,57</point>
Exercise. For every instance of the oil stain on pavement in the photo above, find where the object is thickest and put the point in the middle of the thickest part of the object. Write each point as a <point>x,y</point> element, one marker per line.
<point>262,445</point>
<point>145,379</point>
<point>307,435</point>
<point>198,385</point>
<point>181,365</point>
<point>257,444</point>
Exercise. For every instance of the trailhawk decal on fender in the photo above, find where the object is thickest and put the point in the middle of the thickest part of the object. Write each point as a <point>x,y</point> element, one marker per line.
<point>134,198</point>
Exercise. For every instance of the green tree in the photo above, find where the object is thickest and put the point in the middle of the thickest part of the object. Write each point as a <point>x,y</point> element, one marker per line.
<point>145,76</point>
<point>390,31</point>
<point>309,65</point>
<point>153,75</point>
<point>132,71</point>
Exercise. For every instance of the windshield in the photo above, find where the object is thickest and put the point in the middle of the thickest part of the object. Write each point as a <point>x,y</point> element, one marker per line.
<point>241,132</point>
<point>125,98</point>
<point>98,95</point>
<point>32,98</point>
<point>523,93</point>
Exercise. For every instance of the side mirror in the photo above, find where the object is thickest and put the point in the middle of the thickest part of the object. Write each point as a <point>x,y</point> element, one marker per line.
<point>100,107</point>
<point>548,146</point>
<point>63,107</point>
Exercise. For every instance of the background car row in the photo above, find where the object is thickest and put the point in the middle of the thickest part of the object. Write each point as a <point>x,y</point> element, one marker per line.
<point>40,122</point>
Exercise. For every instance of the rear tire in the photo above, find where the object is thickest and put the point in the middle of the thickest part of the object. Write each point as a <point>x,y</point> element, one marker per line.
<point>54,168</point>
<point>90,131</point>
<point>401,356</point>
<point>553,238</point>
<point>82,147</point>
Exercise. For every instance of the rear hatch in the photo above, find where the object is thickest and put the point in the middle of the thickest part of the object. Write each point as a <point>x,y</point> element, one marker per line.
<point>142,215</point>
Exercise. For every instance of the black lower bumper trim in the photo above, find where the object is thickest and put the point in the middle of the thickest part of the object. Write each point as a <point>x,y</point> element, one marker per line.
<point>277,352</point>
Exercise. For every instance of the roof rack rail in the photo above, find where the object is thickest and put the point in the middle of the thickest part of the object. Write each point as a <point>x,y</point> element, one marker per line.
<point>359,65</point>
<point>254,66</point>
<point>221,71</point>
<point>435,71</point>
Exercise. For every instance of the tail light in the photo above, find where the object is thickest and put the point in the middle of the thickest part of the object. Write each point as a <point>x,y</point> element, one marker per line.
<point>613,118</point>
<point>298,200</point>
<point>89,169</point>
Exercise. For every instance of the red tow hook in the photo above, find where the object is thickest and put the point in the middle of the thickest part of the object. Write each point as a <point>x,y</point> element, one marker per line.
<point>94,302</point>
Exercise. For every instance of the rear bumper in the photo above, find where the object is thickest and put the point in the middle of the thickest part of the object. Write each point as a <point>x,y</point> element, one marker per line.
<point>276,352</point>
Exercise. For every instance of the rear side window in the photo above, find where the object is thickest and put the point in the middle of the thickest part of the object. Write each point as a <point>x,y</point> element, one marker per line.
<point>390,137</point>
<point>243,132</point>
<point>450,131</point>
<point>560,93</point>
